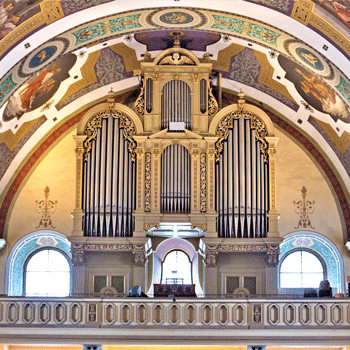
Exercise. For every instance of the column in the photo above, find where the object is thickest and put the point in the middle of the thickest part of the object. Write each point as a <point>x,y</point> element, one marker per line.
<point>195,181</point>
<point>78,269</point>
<point>78,212</point>
<point>273,213</point>
<point>155,183</point>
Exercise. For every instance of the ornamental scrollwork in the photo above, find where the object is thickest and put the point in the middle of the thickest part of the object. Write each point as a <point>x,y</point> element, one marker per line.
<point>256,123</point>
<point>140,101</point>
<point>213,106</point>
<point>203,182</point>
<point>222,131</point>
<point>148,162</point>
<point>95,123</point>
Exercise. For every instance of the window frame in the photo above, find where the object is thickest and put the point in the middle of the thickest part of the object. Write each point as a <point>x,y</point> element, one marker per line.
<point>298,249</point>
<point>171,251</point>
<point>27,259</point>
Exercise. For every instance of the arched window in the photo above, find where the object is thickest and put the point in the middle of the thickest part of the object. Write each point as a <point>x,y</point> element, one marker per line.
<point>47,273</point>
<point>27,248</point>
<point>177,268</point>
<point>301,269</point>
<point>306,258</point>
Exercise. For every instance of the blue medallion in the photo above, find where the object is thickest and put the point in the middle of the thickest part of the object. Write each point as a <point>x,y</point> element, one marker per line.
<point>42,56</point>
<point>309,58</point>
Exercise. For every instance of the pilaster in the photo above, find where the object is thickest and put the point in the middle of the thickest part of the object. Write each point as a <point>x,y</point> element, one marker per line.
<point>78,212</point>
<point>273,213</point>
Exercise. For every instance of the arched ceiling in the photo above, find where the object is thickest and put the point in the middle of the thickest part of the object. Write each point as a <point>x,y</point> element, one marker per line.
<point>58,57</point>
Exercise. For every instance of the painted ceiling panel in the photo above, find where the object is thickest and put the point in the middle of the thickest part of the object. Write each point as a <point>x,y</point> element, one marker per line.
<point>54,78</point>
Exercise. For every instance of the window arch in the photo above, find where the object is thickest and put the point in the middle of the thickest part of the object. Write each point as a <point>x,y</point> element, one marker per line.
<point>46,273</point>
<point>302,269</point>
<point>321,248</point>
<point>177,268</point>
<point>27,247</point>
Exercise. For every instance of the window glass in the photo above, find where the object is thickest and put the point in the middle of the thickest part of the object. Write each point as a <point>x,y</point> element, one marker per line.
<point>47,274</point>
<point>177,268</point>
<point>301,269</point>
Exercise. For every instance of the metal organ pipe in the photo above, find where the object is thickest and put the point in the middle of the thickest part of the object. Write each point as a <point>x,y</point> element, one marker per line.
<point>176,103</point>
<point>175,180</point>
<point>109,184</point>
<point>149,95</point>
<point>242,185</point>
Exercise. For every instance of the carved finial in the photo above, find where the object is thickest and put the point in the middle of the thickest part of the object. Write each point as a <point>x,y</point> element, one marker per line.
<point>241,100</point>
<point>110,99</point>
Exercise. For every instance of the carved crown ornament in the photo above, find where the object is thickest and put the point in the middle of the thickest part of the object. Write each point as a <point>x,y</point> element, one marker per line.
<point>96,122</point>
<point>257,124</point>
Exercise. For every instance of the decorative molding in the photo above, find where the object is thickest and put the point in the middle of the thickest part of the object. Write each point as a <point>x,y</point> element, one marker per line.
<point>330,32</point>
<point>211,256</point>
<point>139,255</point>
<point>242,248</point>
<point>203,182</point>
<point>96,122</point>
<point>256,123</point>
<point>52,10</point>
<point>107,247</point>
<point>272,255</point>
<point>77,251</point>
<point>302,11</point>
<point>148,181</point>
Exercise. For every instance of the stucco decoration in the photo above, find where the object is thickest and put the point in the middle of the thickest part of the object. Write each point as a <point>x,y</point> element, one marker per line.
<point>26,246</point>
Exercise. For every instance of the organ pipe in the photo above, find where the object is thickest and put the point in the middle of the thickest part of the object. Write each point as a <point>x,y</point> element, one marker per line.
<point>242,186</point>
<point>175,180</point>
<point>176,104</point>
<point>109,184</point>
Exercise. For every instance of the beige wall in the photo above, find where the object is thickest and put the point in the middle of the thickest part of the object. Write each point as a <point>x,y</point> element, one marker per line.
<point>57,171</point>
<point>295,169</point>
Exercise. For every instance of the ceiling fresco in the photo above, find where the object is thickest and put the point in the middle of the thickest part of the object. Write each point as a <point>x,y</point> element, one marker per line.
<point>46,84</point>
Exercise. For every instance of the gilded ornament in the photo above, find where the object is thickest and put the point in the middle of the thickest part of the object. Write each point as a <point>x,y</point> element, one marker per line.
<point>203,183</point>
<point>140,101</point>
<point>96,122</point>
<point>148,181</point>
<point>256,123</point>
<point>213,106</point>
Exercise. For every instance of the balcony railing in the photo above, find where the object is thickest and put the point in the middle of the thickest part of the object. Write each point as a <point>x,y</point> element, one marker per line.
<point>234,320</point>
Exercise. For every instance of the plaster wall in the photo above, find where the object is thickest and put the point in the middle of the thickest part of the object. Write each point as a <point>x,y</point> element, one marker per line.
<point>295,169</point>
<point>57,171</point>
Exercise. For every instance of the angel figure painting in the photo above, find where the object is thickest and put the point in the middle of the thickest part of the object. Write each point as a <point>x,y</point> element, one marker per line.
<point>314,91</point>
<point>38,89</point>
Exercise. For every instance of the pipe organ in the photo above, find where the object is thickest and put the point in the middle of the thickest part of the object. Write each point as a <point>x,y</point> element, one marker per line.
<point>213,171</point>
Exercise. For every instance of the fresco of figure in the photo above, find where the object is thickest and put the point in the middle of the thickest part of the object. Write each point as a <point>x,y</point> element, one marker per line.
<point>38,89</point>
<point>314,91</point>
